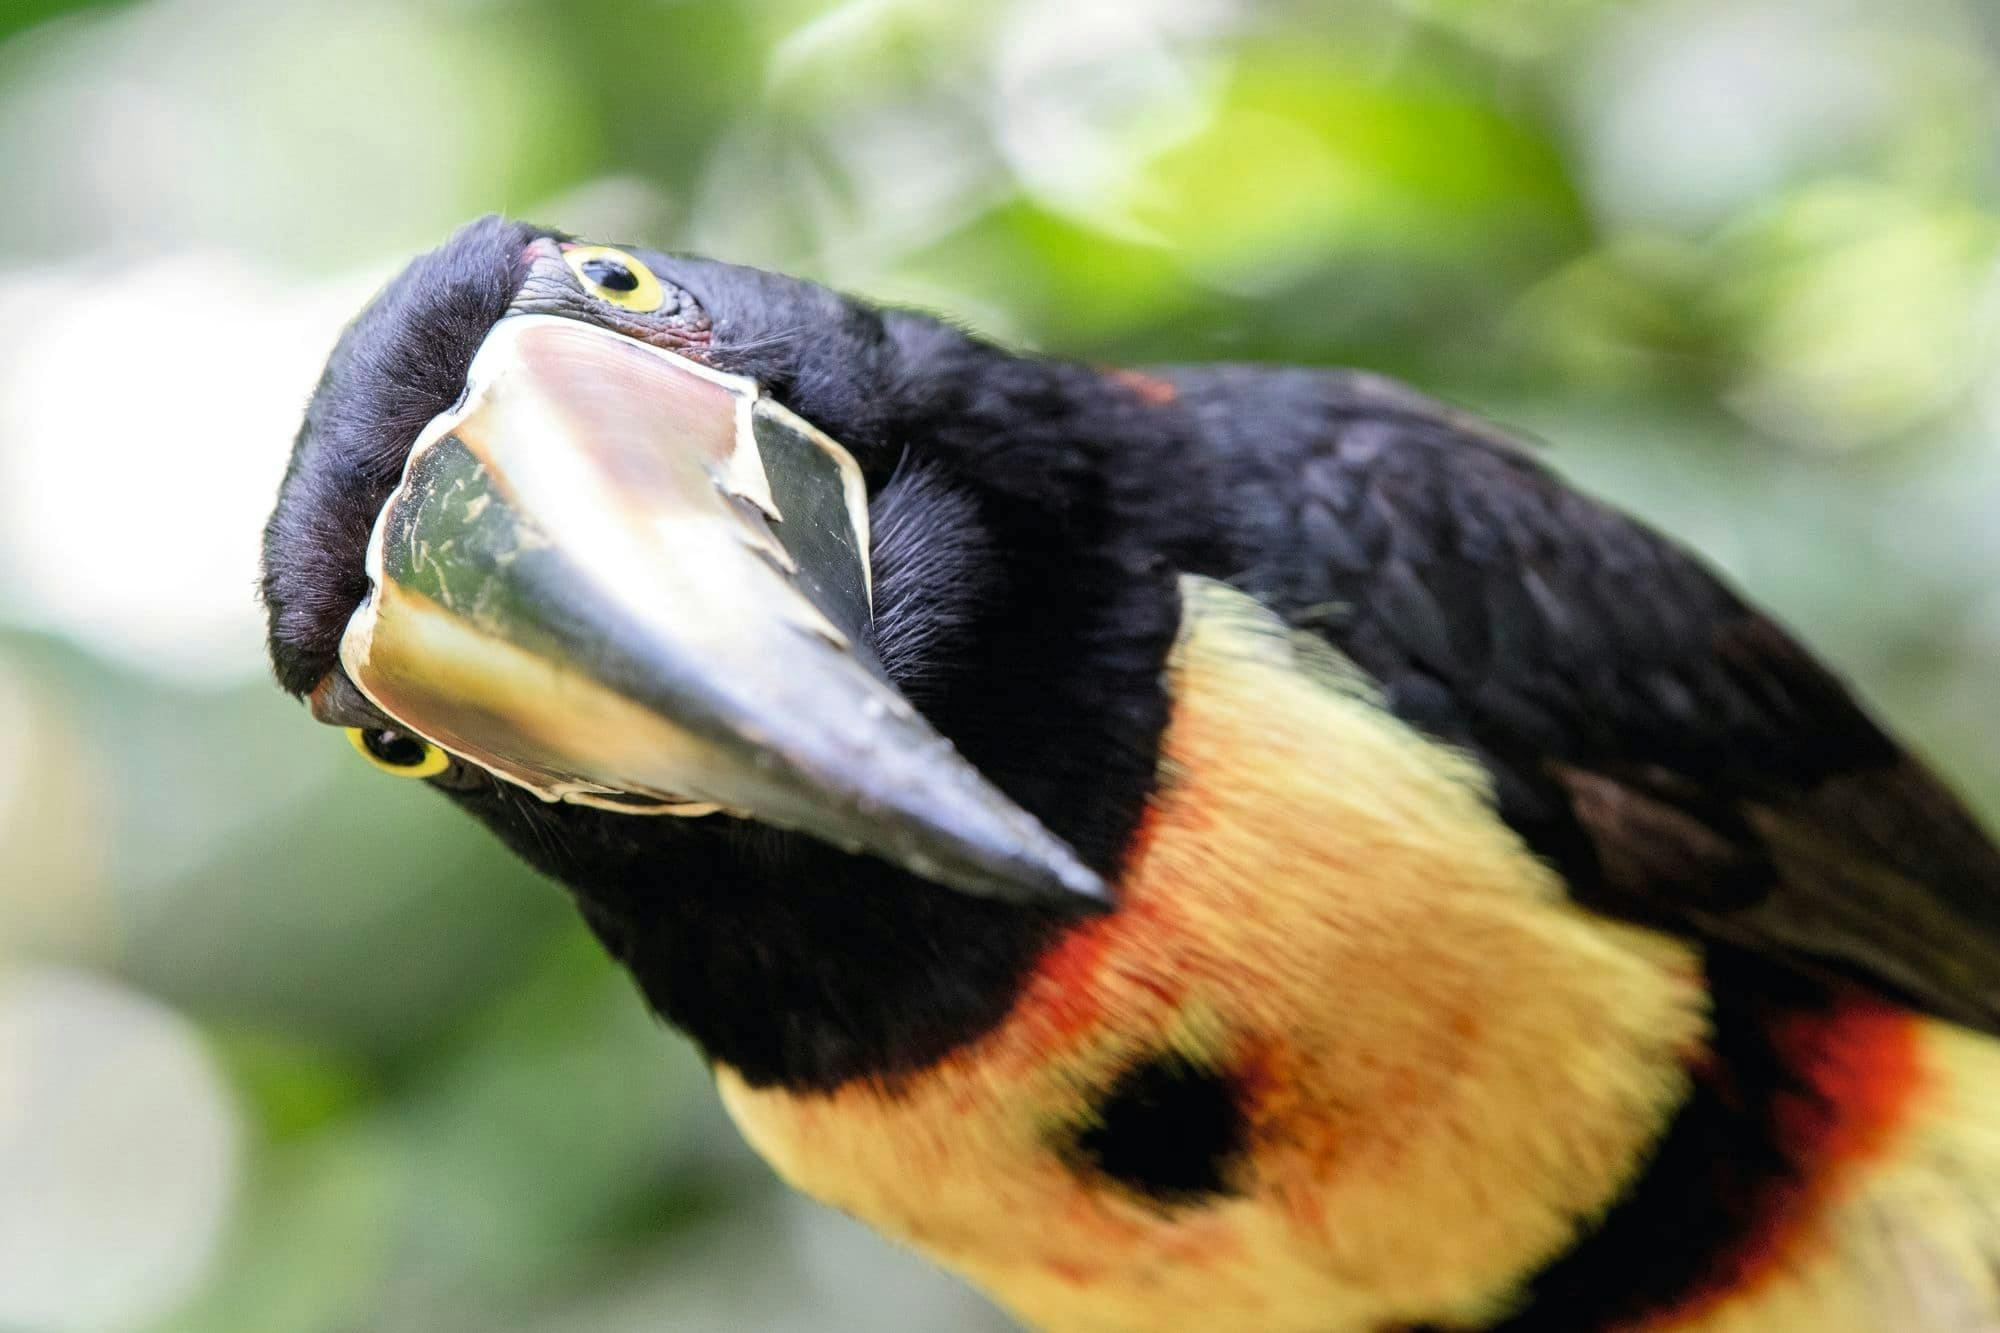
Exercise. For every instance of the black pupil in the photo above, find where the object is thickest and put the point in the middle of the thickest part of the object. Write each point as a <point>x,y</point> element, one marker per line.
<point>394,748</point>
<point>610,275</point>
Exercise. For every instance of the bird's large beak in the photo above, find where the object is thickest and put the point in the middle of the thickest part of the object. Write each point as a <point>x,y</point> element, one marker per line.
<point>616,577</point>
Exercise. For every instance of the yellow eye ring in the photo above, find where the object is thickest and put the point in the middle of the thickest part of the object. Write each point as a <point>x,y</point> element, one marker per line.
<point>398,752</point>
<point>615,277</point>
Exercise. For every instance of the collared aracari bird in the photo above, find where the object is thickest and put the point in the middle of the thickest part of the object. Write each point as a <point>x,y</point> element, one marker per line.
<point>1225,847</point>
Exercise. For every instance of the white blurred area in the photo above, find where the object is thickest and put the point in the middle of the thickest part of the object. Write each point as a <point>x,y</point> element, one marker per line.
<point>148,402</point>
<point>120,1149</point>
<point>207,192</point>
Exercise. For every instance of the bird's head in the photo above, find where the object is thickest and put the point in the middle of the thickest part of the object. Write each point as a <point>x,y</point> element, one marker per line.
<point>594,538</point>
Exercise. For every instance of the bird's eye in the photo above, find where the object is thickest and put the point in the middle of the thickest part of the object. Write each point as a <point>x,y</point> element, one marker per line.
<point>398,752</point>
<point>614,276</point>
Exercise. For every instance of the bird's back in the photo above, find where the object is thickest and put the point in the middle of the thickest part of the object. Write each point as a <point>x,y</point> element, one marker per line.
<point>1676,754</point>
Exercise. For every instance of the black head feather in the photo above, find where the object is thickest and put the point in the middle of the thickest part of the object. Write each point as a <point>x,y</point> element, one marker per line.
<point>1022,603</point>
<point>399,364</point>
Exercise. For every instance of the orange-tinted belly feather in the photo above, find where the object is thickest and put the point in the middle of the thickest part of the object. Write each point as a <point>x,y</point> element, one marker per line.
<point>1445,1071</point>
<point>1442,1065</point>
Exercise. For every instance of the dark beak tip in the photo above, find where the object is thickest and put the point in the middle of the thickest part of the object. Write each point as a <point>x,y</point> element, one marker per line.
<point>1046,876</point>
<point>1082,885</point>
<point>1062,882</point>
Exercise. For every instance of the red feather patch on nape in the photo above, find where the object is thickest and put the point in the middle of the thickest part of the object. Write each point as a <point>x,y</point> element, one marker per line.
<point>1151,390</point>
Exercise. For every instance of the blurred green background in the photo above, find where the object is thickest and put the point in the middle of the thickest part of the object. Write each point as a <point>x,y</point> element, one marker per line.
<point>285,1045</point>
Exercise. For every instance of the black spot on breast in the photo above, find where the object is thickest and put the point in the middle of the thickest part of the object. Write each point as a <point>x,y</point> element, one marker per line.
<point>1168,1129</point>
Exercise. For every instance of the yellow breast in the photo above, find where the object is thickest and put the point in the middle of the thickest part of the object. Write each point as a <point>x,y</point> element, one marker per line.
<point>1442,1067</point>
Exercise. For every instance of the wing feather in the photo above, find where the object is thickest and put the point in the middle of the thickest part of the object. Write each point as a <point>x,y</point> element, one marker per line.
<point>1677,754</point>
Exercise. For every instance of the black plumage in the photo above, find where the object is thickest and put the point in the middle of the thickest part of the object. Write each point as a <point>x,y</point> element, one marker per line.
<point>399,364</point>
<point>1170,1129</point>
<point>1674,754</point>
<point>1671,750</point>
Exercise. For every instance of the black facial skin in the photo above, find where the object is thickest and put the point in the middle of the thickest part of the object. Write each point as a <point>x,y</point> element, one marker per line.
<point>793,962</point>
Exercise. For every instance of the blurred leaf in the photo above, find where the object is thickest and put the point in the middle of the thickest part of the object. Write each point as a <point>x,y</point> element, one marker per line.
<point>1863,311</point>
<point>1061,274</point>
<point>1625,315</point>
<point>311,1242</point>
<point>292,1088</point>
<point>360,876</point>
<point>1312,155</point>
<point>1507,26</point>
<point>19,15</point>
